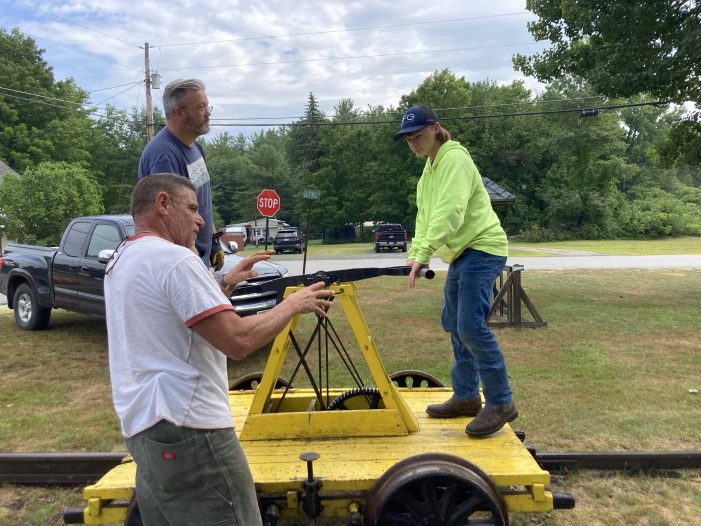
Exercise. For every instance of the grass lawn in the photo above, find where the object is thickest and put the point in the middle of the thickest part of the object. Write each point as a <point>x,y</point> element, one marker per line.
<point>624,247</point>
<point>616,369</point>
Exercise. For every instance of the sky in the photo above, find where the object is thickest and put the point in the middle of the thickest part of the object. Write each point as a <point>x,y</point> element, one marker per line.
<point>260,60</point>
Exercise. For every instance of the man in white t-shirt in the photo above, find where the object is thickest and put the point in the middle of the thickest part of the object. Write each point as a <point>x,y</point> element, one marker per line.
<point>170,329</point>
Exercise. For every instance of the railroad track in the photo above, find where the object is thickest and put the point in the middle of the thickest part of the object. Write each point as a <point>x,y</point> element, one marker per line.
<point>84,468</point>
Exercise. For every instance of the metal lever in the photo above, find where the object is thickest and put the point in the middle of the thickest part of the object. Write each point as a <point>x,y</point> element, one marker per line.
<point>329,278</point>
<point>312,502</point>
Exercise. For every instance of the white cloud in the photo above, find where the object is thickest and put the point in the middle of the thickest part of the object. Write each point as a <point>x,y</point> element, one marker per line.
<point>248,76</point>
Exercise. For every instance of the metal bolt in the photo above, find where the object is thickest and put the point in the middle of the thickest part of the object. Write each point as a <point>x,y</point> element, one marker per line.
<point>309,457</point>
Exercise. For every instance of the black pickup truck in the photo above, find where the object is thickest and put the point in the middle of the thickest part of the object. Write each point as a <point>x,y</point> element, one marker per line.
<point>390,235</point>
<point>70,276</point>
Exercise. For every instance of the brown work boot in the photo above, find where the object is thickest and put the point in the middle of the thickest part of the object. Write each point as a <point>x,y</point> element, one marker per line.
<point>454,407</point>
<point>491,419</point>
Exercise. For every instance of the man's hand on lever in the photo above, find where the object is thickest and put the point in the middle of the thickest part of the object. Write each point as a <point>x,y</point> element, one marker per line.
<point>313,298</point>
<point>416,271</point>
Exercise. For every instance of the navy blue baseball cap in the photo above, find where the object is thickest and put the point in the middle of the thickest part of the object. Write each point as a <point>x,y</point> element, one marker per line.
<point>414,119</point>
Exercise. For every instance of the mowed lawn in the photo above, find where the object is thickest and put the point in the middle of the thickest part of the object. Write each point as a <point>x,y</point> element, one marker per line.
<point>617,368</point>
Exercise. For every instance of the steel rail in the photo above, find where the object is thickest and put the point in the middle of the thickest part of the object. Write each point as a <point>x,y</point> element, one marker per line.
<point>56,468</point>
<point>45,469</point>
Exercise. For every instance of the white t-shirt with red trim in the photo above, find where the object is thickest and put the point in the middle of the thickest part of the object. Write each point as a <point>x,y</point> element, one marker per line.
<point>160,368</point>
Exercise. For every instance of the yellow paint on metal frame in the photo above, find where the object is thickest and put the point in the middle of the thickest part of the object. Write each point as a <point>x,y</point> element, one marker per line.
<point>356,447</point>
<point>393,419</point>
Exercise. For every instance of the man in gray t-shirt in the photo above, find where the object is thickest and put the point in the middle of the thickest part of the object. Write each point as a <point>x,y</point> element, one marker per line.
<point>175,150</point>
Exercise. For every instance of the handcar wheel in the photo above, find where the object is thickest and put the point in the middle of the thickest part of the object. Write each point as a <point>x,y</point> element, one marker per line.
<point>251,381</point>
<point>133,517</point>
<point>358,398</point>
<point>435,489</point>
<point>410,378</point>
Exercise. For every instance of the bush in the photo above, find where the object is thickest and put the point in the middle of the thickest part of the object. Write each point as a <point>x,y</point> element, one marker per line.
<point>40,203</point>
<point>536,234</point>
<point>656,213</point>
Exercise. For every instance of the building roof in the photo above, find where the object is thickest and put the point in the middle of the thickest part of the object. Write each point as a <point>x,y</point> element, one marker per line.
<point>498,195</point>
<point>4,169</point>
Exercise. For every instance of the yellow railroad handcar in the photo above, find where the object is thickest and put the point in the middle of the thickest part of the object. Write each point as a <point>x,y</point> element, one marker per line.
<point>368,455</point>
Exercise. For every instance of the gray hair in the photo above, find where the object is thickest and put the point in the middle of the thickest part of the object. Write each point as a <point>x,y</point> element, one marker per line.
<point>175,93</point>
<point>146,190</point>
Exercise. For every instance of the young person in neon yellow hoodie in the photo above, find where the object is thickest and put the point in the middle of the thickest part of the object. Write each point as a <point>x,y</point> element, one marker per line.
<point>455,220</point>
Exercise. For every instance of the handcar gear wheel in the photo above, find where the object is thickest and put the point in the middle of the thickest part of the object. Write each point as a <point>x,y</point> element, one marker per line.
<point>358,398</point>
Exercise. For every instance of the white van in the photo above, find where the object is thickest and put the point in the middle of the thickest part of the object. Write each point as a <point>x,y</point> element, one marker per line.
<point>235,233</point>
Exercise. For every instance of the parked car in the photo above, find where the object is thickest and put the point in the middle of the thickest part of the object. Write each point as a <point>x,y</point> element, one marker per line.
<point>71,276</point>
<point>288,240</point>
<point>257,302</point>
<point>390,235</point>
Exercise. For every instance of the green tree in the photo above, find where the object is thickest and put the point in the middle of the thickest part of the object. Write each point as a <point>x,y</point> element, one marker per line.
<point>304,150</point>
<point>116,150</point>
<point>623,49</point>
<point>42,201</point>
<point>683,146</point>
<point>41,119</point>
<point>269,168</point>
<point>225,153</point>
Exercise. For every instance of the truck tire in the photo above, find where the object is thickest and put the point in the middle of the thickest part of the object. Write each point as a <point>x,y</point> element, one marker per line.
<point>29,315</point>
<point>377,249</point>
<point>404,247</point>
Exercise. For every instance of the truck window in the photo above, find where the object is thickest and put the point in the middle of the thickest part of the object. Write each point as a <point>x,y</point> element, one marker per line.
<point>75,239</point>
<point>104,237</point>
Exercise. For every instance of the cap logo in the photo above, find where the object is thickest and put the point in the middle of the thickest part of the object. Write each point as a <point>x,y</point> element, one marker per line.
<point>408,118</point>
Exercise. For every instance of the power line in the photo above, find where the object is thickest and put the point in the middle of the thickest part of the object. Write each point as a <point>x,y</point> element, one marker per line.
<point>113,87</point>
<point>352,57</point>
<point>331,31</point>
<point>41,96</point>
<point>364,114</point>
<point>458,118</point>
<point>117,94</point>
<point>131,85</point>
<point>75,110</point>
<point>74,23</point>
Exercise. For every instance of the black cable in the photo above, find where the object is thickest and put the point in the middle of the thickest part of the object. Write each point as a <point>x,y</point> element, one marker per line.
<point>443,119</point>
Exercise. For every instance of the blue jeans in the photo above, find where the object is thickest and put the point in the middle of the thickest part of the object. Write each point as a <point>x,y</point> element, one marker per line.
<point>187,477</point>
<point>468,295</point>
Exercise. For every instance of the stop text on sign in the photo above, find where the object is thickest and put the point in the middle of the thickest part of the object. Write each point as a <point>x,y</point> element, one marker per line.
<point>268,203</point>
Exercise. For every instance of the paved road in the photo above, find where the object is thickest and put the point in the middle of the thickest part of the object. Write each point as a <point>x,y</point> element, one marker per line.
<point>559,262</point>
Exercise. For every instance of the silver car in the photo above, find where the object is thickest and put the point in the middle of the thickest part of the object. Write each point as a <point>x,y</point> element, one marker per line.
<point>247,304</point>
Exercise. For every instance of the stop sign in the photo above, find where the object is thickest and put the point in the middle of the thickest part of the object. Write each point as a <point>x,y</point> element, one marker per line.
<point>268,203</point>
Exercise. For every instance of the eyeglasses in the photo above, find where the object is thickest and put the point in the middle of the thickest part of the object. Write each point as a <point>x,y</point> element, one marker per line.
<point>203,109</point>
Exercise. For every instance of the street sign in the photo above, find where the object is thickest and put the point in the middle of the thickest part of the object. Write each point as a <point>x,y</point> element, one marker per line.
<point>268,203</point>
<point>312,194</point>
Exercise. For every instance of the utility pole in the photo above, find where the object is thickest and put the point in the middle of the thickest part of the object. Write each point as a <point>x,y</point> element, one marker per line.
<point>149,109</point>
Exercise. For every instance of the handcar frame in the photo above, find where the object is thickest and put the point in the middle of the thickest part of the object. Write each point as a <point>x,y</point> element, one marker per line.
<point>366,455</point>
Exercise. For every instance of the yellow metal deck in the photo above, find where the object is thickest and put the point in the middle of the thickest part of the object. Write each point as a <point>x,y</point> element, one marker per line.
<point>354,464</point>
<point>374,440</point>
<point>350,466</point>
